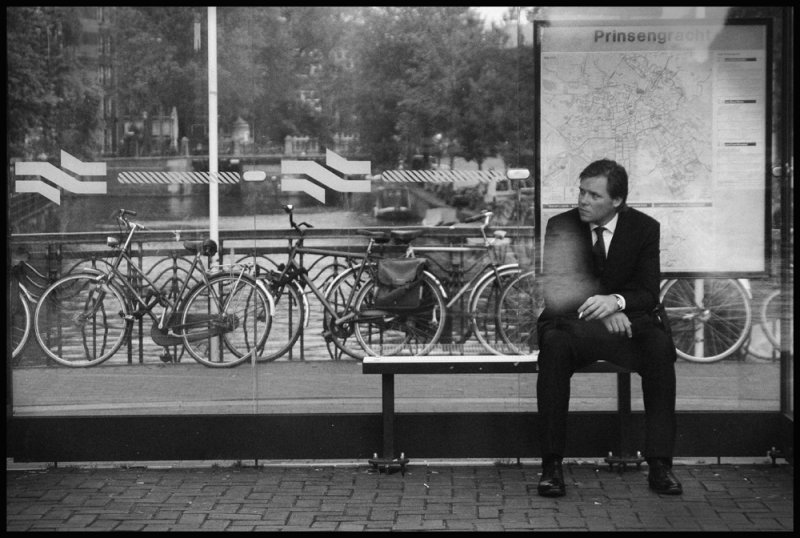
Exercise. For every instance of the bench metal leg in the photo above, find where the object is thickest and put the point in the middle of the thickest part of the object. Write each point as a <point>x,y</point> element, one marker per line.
<point>624,458</point>
<point>388,462</point>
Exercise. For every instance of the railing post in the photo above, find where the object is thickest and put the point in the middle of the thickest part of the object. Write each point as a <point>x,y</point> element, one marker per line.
<point>132,279</point>
<point>140,281</point>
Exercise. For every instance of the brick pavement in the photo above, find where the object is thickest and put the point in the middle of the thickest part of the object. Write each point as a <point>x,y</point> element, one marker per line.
<point>436,496</point>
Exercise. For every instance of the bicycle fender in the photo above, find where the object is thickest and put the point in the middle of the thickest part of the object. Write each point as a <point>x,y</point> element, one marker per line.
<point>502,270</point>
<point>306,308</point>
<point>437,282</point>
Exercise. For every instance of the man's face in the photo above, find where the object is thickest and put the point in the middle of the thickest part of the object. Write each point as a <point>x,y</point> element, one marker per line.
<point>595,205</point>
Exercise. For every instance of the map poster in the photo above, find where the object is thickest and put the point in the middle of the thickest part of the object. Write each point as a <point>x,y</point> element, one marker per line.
<point>684,107</point>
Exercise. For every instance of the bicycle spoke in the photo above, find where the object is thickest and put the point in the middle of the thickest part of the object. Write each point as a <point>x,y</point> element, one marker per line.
<point>415,332</point>
<point>225,322</point>
<point>484,311</point>
<point>341,296</point>
<point>520,306</point>
<point>710,318</point>
<point>79,322</point>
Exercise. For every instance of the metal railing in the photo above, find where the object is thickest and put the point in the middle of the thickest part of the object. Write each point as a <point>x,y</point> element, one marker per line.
<point>160,254</point>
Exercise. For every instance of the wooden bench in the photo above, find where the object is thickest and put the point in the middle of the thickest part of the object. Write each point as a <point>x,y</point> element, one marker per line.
<point>388,367</point>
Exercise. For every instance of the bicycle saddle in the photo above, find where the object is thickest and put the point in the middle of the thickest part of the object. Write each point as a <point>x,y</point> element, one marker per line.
<point>207,247</point>
<point>377,236</point>
<point>405,236</point>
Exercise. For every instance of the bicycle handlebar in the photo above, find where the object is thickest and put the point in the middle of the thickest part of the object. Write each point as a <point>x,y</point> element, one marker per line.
<point>122,215</point>
<point>486,216</point>
<point>288,208</point>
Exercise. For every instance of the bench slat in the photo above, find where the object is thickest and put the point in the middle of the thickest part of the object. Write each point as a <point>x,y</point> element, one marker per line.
<point>473,364</point>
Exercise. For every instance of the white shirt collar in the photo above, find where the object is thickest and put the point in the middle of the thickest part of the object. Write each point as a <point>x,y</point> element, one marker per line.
<point>610,226</point>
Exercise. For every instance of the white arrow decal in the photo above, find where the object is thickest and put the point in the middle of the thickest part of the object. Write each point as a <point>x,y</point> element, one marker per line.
<point>59,177</point>
<point>337,162</point>
<point>324,176</point>
<point>303,185</point>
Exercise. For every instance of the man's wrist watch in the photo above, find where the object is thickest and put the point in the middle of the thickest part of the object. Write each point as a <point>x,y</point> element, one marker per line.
<point>620,301</point>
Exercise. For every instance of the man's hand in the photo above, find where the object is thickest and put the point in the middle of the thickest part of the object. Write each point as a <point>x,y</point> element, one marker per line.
<point>618,323</point>
<point>597,307</point>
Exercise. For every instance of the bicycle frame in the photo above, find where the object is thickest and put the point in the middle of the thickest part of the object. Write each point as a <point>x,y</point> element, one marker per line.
<point>168,322</point>
<point>293,270</point>
<point>487,248</point>
<point>480,275</point>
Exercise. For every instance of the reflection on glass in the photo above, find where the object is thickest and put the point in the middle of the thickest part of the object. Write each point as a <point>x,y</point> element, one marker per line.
<point>440,101</point>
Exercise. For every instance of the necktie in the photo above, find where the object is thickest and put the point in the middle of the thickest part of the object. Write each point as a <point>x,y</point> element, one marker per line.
<point>599,250</point>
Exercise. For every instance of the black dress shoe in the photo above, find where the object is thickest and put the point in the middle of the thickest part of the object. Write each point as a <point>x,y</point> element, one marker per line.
<point>662,480</point>
<point>552,482</point>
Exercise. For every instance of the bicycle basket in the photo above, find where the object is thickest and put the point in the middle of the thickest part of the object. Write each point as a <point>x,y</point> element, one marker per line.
<point>399,283</point>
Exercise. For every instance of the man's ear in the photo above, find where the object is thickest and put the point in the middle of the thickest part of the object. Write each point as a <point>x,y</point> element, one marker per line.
<point>617,202</point>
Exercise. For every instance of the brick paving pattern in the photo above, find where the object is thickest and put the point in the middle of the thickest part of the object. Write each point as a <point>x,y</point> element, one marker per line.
<point>749,497</point>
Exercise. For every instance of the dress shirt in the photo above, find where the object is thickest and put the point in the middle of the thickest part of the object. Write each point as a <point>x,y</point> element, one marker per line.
<point>608,234</point>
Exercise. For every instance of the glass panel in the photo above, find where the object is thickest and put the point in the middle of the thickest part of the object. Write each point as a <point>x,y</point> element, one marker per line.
<point>378,119</point>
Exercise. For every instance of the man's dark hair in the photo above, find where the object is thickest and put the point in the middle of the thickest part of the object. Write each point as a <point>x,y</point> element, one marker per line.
<point>616,174</point>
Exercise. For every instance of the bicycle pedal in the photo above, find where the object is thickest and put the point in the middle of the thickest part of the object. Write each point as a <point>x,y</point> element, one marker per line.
<point>166,357</point>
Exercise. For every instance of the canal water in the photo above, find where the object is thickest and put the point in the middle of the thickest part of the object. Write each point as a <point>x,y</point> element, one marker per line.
<point>191,212</point>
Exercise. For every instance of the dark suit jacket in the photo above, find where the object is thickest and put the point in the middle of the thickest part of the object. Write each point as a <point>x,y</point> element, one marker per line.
<point>632,267</point>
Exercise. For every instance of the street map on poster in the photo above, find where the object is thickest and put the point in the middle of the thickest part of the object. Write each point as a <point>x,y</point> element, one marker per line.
<point>683,106</point>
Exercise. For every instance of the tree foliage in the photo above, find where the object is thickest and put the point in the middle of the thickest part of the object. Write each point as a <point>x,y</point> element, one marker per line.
<point>432,72</point>
<point>52,103</point>
<point>408,80</point>
<point>155,66</point>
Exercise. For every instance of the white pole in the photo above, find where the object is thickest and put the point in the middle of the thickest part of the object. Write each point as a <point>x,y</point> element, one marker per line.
<point>213,152</point>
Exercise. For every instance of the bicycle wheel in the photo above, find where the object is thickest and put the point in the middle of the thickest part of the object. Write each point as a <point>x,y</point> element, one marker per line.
<point>770,318</point>
<point>521,303</point>
<point>168,276</point>
<point>341,295</point>
<point>710,317</point>
<point>288,320</point>
<point>381,333</point>
<point>21,323</point>
<point>291,307</point>
<point>483,307</point>
<point>80,321</point>
<point>225,322</point>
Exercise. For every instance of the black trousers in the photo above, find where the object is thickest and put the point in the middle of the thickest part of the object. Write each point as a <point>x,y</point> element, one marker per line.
<point>566,345</point>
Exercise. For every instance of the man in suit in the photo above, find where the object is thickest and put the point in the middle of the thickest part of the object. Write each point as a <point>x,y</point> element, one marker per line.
<point>601,304</point>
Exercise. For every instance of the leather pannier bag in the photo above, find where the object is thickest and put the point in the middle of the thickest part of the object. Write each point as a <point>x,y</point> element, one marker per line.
<point>399,285</point>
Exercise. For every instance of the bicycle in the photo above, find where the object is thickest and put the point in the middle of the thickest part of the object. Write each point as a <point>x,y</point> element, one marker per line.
<point>483,290</point>
<point>167,274</point>
<point>768,321</point>
<point>710,318</point>
<point>29,284</point>
<point>292,313</point>
<point>82,319</point>
<point>770,316</point>
<point>343,301</point>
